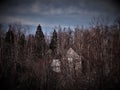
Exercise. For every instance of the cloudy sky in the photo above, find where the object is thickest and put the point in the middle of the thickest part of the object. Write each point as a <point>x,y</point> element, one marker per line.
<point>50,13</point>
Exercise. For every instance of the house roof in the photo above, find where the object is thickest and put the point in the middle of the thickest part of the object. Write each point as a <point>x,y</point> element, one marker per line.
<point>72,54</point>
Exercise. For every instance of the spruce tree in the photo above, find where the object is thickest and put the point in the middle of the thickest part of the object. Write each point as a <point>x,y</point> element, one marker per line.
<point>21,41</point>
<point>9,43</point>
<point>40,43</point>
<point>9,36</point>
<point>53,44</point>
<point>9,53</point>
<point>21,46</point>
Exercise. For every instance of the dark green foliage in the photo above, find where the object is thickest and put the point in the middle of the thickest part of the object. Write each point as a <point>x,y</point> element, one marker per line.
<point>21,40</point>
<point>53,44</point>
<point>8,56</point>
<point>9,45</point>
<point>9,36</point>
<point>40,46</point>
<point>21,47</point>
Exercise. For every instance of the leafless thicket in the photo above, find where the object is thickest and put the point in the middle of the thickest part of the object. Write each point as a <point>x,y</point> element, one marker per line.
<point>25,60</point>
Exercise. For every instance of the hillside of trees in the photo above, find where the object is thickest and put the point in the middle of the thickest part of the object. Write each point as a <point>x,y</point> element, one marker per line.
<point>25,59</point>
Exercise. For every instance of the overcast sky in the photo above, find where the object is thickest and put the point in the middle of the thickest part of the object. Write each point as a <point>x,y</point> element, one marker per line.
<point>50,13</point>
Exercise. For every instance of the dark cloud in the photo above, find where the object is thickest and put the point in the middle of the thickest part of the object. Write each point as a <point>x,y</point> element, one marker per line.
<point>84,4</point>
<point>116,3</point>
<point>56,11</point>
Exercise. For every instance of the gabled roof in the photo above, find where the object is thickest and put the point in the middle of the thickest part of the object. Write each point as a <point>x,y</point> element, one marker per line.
<point>49,51</point>
<point>72,54</point>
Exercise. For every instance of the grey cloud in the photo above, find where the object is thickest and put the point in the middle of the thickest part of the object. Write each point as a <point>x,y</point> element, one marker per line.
<point>45,5</point>
<point>57,10</point>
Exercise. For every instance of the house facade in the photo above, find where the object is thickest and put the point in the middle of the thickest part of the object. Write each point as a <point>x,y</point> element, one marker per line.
<point>71,61</point>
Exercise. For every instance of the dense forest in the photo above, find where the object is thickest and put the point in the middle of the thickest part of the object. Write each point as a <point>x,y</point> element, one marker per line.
<point>25,60</point>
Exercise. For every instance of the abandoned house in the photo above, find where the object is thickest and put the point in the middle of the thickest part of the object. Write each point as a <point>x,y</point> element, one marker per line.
<point>71,60</point>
